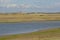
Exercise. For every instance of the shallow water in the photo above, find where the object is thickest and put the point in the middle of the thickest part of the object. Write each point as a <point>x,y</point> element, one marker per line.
<point>25,27</point>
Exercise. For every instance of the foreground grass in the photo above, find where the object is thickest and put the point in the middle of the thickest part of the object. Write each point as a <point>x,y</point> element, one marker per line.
<point>50,34</point>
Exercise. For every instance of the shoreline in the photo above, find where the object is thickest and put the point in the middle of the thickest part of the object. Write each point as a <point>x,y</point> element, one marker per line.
<point>31,21</point>
<point>42,33</point>
<point>30,31</point>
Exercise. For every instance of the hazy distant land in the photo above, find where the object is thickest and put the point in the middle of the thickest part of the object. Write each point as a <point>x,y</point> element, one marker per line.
<point>28,17</point>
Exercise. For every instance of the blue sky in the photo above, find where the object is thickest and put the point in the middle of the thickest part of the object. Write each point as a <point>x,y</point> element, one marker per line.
<point>29,5</point>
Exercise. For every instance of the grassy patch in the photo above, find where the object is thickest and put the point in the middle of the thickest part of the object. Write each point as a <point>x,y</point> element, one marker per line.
<point>51,34</point>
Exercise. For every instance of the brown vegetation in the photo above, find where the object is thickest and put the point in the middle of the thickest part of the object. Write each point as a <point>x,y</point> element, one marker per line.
<point>21,17</point>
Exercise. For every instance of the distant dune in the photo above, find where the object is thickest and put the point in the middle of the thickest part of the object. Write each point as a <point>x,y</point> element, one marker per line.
<point>28,17</point>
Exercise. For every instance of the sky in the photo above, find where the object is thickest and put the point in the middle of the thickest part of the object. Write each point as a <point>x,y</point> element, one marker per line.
<point>29,5</point>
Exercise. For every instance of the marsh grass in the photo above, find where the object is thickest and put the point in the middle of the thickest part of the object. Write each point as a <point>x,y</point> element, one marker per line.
<point>17,17</point>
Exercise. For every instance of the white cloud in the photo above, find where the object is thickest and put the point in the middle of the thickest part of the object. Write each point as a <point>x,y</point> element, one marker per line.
<point>25,5</point>
<point>55,5</point>
<point>5,1</point>
<point>29,6</point>
<point>8,4</point>
<point>11,5</point>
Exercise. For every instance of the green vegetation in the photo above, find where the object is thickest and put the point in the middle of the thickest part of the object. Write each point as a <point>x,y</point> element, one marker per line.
<point>50,34</point>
